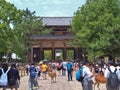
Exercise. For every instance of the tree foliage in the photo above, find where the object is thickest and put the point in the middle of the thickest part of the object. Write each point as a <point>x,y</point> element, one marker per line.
<point>16,29</point>
<point>9,16</point>
<point>97,27</point>
<point>29,27</point>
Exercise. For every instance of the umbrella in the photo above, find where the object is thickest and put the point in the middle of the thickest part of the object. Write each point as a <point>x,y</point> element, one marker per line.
<point>45,60</point>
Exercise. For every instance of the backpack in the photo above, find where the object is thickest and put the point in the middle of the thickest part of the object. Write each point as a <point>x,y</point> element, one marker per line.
<point>12,80</point>
<point>53,66</point>
<point>79,76</point>
<point>59,66</point>
<point>32,72</point>
<point>4,78</point>
<point>113,78</point>
<point>119,75</point>
<point>69,67</point>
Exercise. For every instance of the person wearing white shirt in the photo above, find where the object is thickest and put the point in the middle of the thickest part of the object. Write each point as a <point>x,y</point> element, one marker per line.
<point>107,73</point>
<point>118,68</point>
<point>87,74</point>
<point>64,68</point>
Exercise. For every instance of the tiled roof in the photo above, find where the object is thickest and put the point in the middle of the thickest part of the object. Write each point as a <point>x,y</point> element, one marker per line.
<point>56,21</point>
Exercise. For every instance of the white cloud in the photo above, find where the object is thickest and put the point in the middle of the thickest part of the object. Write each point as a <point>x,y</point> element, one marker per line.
<point>49,7</point>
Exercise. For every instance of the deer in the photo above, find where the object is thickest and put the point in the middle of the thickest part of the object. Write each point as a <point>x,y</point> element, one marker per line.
<point>99,78</point>
<point>52,75</point>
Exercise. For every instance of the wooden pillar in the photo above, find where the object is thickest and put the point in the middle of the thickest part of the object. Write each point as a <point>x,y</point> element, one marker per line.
<point>29,55</point>
<point>36,54</point>
<point>41,54</point>
<point>53,50</point>
<point>53,54</point>
<point>64,51</point>
<point>64,54</point>
<point>31,58</point>
<point>80,53</point>
<point>75,53</point>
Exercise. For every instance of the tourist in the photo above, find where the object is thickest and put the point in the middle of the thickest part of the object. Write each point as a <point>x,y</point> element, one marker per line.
<point>39,73</point>
<point>54,67</point>
<point>32,79</point>
<point>63,66</point>
<point>111,68</point>
<point>59,68</point>
<point>87,74</point>
<point>4,81</point>
<point>44,70</point>
<point>13,77</point>
<point>69,70</point>
<point>118,68</point>
<point>27,66</point>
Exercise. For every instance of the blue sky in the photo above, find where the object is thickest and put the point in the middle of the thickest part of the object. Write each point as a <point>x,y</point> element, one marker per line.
<point>49,8</point>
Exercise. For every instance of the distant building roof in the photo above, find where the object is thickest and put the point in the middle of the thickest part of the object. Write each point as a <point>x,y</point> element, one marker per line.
<point>56,21</point>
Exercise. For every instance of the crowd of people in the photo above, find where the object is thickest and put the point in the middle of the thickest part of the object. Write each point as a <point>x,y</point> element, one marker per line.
<point>110,71</point>
<point>66,68</point>
<point>90,71</point>
<point>39,71</point>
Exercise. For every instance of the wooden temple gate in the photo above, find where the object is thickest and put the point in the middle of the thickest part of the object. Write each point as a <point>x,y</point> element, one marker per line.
<point>58,39</point>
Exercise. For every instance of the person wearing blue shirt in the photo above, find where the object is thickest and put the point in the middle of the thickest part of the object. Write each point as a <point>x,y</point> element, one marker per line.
<point>69,70</point>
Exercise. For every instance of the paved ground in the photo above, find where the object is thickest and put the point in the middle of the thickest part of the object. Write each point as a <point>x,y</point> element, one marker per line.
<point>61,84</point>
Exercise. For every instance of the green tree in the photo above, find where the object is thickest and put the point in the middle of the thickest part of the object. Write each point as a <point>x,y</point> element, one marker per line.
<point>9,15</point>
<point>30,27</point>
<point>17,27</point>
<point>70,54</point>
<point>47,54</point>
<point>97,27</point>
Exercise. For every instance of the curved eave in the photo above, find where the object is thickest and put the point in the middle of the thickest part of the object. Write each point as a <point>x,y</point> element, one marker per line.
<point>60,37</point>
